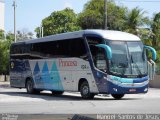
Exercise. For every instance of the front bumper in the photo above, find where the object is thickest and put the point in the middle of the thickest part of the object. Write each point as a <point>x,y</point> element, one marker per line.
<point>117,89</point>
<point>118,85</point>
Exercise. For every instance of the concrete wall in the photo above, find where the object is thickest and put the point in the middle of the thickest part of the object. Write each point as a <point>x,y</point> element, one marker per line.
<point>2,77</point>
<point>2,4</point>
<point>156,82</point>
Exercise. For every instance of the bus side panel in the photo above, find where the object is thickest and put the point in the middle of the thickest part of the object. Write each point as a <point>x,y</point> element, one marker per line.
<point>19,70</point>
<point>15,73</point>
<point>77,69</point>
<point>83,71</point>
<point>62,74</point>
<point>46,75</point>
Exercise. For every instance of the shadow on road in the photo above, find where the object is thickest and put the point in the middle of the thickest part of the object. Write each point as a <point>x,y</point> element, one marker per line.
<point>50,97</point>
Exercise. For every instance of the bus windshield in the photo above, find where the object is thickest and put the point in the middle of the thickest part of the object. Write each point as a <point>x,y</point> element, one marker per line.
<point>128,58</point>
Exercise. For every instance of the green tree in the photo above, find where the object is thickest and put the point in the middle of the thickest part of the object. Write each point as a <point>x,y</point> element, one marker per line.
<point>4,59</point>
<point>155,26</point>
<point>24,35</point>
<point>135,19</point>
<point>59,22</point>
<point>156,30</point>
<point>1,34</point>
<point>10,36</point>
<point>92,16</point>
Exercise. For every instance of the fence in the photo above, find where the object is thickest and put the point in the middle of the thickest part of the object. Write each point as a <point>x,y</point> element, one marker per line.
<point>155,83</point>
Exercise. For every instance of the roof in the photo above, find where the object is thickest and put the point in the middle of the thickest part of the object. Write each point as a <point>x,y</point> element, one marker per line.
<point>114,35</point>
<point>107,34</point>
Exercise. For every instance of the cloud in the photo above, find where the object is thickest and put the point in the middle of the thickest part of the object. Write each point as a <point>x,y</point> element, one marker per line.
<point>67,4</point>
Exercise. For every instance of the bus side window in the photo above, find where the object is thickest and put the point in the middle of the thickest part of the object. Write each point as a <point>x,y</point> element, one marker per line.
<point>77,48</point>
<point>99,58</point>
<point>98,54</point>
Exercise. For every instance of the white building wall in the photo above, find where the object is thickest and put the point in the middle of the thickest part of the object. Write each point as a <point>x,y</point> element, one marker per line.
<point>2,14</point>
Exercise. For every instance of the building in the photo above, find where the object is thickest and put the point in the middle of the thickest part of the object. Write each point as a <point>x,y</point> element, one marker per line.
<point>2,5</point>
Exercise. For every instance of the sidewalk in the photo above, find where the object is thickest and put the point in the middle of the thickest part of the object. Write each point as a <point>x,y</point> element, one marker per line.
<point>4,84</point>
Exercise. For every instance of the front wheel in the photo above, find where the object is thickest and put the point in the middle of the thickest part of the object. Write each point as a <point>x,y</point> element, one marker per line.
<point>117,96</point>
<point>85,91</point>
<point>30,87</point>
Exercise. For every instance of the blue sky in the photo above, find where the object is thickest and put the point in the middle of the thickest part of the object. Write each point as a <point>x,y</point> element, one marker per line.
<point>31,12</point>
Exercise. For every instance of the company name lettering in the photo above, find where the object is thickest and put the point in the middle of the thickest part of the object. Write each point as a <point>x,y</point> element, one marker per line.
<point>66,63</point>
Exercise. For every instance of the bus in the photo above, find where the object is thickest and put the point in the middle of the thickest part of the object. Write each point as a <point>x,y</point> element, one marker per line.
<point>88,61</point>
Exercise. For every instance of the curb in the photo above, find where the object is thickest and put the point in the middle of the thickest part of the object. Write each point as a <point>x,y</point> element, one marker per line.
<point>4,85</point>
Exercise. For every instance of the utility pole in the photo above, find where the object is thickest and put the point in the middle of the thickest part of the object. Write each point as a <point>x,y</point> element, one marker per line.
<point>41,31</point>
<point>14,5</point>
<point>105,14</point>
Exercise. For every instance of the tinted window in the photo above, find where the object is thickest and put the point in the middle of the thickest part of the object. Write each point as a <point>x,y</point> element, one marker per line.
<point>94,40</point>
<point>52,49</point>
<point>98,54</point>
<point>77,48</point>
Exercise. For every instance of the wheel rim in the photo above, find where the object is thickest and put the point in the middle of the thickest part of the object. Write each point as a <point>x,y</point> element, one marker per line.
<point>85,90</point>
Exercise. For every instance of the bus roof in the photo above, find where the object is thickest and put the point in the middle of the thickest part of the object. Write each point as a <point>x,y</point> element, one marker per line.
<point>107,34</point>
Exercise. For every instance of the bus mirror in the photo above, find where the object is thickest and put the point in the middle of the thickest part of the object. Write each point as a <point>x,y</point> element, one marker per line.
<point>154,54</point>
<point>107,50</point>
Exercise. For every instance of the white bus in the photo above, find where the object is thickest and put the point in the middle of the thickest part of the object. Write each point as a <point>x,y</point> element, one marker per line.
<point>89,61</point>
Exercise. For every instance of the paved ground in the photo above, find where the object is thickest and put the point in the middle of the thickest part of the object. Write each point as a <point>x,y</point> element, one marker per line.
<point>17,101</point>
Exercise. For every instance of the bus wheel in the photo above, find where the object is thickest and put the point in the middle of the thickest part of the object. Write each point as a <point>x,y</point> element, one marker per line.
<point>57,92</point>
<point>117,96</point>
<point>30,87</point>
<point>85,91</point>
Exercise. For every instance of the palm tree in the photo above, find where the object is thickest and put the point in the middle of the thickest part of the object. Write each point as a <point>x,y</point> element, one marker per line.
<point>156,30</point>
<point>135,19</point>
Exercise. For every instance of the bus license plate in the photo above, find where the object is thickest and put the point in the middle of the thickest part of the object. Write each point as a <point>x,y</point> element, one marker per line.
<point>132,90</point>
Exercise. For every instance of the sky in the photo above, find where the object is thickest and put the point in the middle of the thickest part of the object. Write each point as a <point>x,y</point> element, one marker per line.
<point>29,13</point>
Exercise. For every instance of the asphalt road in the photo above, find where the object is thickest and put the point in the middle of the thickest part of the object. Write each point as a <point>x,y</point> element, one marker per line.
<point>17,101</point>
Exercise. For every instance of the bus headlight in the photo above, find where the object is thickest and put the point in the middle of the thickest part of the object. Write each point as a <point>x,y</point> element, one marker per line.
<point>146,89</point>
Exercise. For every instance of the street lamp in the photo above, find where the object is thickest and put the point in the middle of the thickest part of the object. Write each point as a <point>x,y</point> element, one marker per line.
<point>14,5</point>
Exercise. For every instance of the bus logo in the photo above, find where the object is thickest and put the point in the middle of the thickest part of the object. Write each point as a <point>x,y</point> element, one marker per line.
<point>67,63</point>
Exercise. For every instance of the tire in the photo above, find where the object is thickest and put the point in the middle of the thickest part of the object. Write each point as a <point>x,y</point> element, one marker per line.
<point>57,92</point>
<point>117,96</point>
<point>85,91</point>
<point>30,87</point>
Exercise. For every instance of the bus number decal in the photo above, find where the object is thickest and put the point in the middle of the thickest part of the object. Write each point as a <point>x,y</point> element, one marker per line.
<point>84,67</point>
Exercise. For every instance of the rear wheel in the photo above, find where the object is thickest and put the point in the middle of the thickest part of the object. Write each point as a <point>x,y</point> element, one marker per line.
<point>30,87</point>
<point>117,96</point>
<point>85,91</point>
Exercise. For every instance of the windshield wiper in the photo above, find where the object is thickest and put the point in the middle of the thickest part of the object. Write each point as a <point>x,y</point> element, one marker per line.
<point>136,65</point>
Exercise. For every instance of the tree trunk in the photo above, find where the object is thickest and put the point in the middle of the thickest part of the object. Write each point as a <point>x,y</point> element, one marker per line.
<point>5,77</point>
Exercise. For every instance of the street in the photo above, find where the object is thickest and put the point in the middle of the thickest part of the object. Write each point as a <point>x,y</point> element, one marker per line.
<point>17,101</point>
